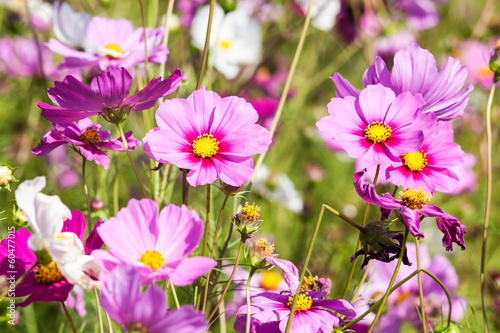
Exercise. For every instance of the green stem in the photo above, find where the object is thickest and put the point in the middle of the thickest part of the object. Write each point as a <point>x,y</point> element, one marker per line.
<point>308,256</point>
<point>488,203</point>
<point>213,251</point>
<point>363,278</point>
<point>145,44</point>
<point>174,293</point>
<point>99,314</point>
<point>207,42</point>
<point>116,185</point>
<point>358,244</point>
<point>286,88</point>
<point>170,8</point>
<point>394,275</point>
<point>447,295</point>
<point>86,191</point>
<point>120,129</point>
<point>221,298</point>
<point>204,248</point>
<point>185,187</point>
<point>420,290</point>
<point>247,328</point>
<point>73,328</point>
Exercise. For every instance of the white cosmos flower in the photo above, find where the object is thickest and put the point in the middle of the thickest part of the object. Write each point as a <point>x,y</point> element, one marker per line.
<point>46,215</point>
<point>323,12</point>
<point>235,38</point>
<point>70,27</point>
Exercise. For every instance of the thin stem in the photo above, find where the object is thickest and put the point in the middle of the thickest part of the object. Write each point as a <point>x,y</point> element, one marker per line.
<point>185,187</point>
<point>482,23</point>
<point>108,319</point>
<point>394,275</point>
<point>38,45</point>
<point>174,293</point>
<point>120,129</point>
<point>488,202</point>
<point>221,298</point>
<point>247,328</point>
<point>86,191</point>
<point>308,256</point>
<point>204,248</point>
<point>69,317</point>
<point>363,278</point>
<point>358,244</point>
<point>420,290</point>
<point>213,251</point>
<point>286,88</point>
<point>207,41</point>
<point>447,295</point>
<point>166,31</point>
<point>99,314</point>
<point>145,44</point>
<point>116,183</point>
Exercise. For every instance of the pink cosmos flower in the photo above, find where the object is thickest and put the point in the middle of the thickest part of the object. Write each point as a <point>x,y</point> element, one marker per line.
<point>112,43</point>
<point>403,303</point>
<point>377,125</point>
<point>88,138</point>
<point>476,56</point>
<point>156,245</point>
<point>467,178</point>
<point>107,96</point>
<point>412,205</point>
<point>415,71</point>
<point>313,313</point>
<point>45,283</point>
<point>122,299</point>
<point>19,58</point>
<point>213,137</point>
<point>430,167</point>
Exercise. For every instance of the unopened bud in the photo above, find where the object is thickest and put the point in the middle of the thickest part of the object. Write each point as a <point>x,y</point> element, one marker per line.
<point>6,176</point>
<point>495,62</point>
<point>247,221</point>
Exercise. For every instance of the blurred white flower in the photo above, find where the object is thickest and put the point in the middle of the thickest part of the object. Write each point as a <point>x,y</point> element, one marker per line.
<point>70,27</point>
<point>235,39</point>
<point>279,188</point>
<point>323,12</point>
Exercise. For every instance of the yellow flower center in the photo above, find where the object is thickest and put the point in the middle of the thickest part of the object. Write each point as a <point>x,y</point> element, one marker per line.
<point>402,297</point>
<point>225,44</point>
<point>266,249</point>
<point>304,302</point>
<point>251,211</point>
<point>152,259</point>
<point>308,283</point>
<point>115,51</point>
<point>49,274</point>
<point>205,146</point>
<point>415,161</point>
<point>415,199</point>
<point>378,132</point>
<point>485,72</point>
<point>498,44</point>
<point>138,328</point>
<point>89,135</point>
<point>270,280</point>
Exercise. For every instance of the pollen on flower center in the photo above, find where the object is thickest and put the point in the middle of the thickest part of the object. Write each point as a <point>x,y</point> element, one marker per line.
<point>49,274</point>
<point>138,328</point>
<point>308,283</point>
<point>415,161</point>
<point>304,302</point>
<point>251,211</point>
<point>205,146</point>
<point>415,199</point>
<point>266,249</point>
<point>270,280</point>
<point>152,259</point>
<point>378,132</point>
<point>225,44</point>
<point>89,135</point>
<point>402,297</point>
<point>113,51</point>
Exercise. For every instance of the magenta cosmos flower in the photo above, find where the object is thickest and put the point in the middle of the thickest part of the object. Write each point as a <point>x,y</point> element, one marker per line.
<point>313,313</point>
<point>156,245</point>
<point>415,71</point>
<point>430,166</point>
<point>413,203</point>
<point>403,303</point>
<point>107,96</point>
<point>45,283</point>
<point>377,126</point>
<point>122,299</point>
<point>112,43</point>
<point>213,137</point>
<point>87,138</point>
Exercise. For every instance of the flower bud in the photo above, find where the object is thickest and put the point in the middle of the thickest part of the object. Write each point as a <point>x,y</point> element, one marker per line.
<point>6,176</point>
<point>258,252</point>
<point>97,204</point>
<point>495,61</point>
<point>19,218</point>
<point>247,221</point>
